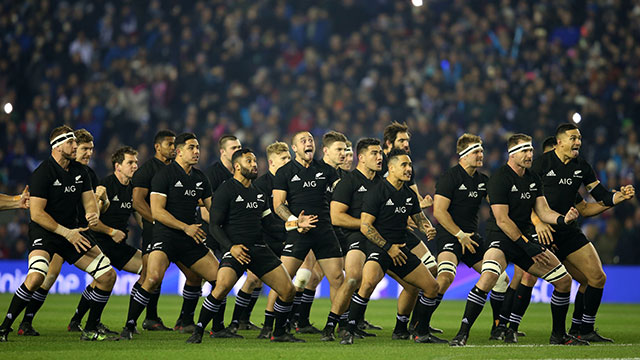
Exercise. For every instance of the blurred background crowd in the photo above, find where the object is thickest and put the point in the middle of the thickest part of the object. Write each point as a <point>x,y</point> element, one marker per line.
<point>264,69</point>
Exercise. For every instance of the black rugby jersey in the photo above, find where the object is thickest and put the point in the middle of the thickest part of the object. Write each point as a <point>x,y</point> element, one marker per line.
<point>520,193</point>
<point>385,170</point>
<point>351,191</point>
<point>217,174</point>
<point>466,193</point>
<point>392,208</point>
<point>562,181</point>
<point>62,189</point>
<point>239,210</point>
<point>82,221</point>
<point>182,191</point>
<point>145,173</point>
<point>306,187</point>
<point>264,183</point>
<point>120,203</point>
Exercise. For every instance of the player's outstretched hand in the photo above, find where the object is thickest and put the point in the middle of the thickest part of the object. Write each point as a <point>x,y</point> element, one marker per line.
<point>240,252</point>
<point>24,198</point>
<point>545,233</point>
<point>399,258</point>
<point>92,218</point>
<point>572,215</point>
<point>194,231</point>
<point>467,243</point>
<point>426,202</point>
<point>77,240</point>
<point>306,221</point>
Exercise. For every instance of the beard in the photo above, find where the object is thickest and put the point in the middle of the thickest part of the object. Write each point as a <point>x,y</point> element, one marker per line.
<point>247,173</point>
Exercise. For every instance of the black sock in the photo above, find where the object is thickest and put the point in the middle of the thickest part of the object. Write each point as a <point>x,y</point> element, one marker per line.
<point>414,319</point>
<point>578,311</point>
<point>37,299</point>
<point>218,319</point>
<point>255,295</point>
<point>269,317</point>
<point>475,303</point>
<point>295,311</point>
<point>190,297</point>
<point>305,307</point>
<point>242,303</point>
<point>152,306</point>
<point>140,301</point>
<point>85,303</point>
<point>507,304</point>
<point>423,311</point>
<point>592,299</point>
<point>19,301</point>
<point>99,299</point>
<point>496,299</point>
<point>401,324</point>
<point>520,304</point>
<point>281,310</point>
<point>344,320</point>
<point>332,320</point>
<point>356,311</point>
<point>209,311</point>
<point>559,307</point>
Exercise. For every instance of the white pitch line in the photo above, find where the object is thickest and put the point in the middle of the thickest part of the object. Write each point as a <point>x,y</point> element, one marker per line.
<point>538,345</point>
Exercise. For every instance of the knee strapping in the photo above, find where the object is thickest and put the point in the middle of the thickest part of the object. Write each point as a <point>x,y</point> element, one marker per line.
<point>555,274</point>
<point>428,260</point>
<point>38,264</point>
<point>502,284</point>
<point>99,266</point>
<point>491,266</point>
<point>302,278</point>
<point>447,267</point>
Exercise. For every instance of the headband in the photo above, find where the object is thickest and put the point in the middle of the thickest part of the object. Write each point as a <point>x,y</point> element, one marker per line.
<point>469,149</point>
<point>520,147</point>
<point>61,139</point>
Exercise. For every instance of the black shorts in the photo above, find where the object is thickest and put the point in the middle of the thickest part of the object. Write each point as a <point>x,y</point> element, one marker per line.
<point>178,246</point>
<point>118,253</point>
<point>274,243</point>
<point>263,260</point>
<point>342,239</point>
<point>321,239</point>
<point>568,241</point>
<point>512,252</point>
<point>447,242</point>
<point>380,256</point>
<point>412,239</point>
<point>42,239</point>
<point>356,241</point>
<point>147,237</point>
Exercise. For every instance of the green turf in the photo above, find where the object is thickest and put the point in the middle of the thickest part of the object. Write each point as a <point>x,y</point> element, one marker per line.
<point>620,322</point>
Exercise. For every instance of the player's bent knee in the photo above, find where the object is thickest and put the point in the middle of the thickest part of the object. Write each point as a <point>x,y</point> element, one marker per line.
<point>302,278</point>
<point>599,280</point>
<point>429,261</point>
<point>38,264</point>
<point>33,281</point>
<point>447,269</point>
<point>502,283</point>
<point>559,277</point>
<point>99,267</point>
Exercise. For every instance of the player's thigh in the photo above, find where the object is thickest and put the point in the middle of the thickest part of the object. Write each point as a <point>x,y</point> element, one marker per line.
<point>157,264</point>
<point>553,272</point>
<point>332,268</point>
<point>587,261</point>
<point>291,263</point>
<point>354,261</point>
<point>421,278</point>
<point>420,249</point>
<point>279,280</point>
<point>309,261</point>
<point>206,267</point>
<point>226,279</point>
<point>576,274</point>
<point>251,282</point>
<point>372,273</point>
<point>191,277</point>
<point>134,265</point>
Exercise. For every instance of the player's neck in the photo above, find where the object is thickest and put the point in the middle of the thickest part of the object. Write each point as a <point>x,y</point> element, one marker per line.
<point>160,157</point>
<point>61,160</point>
<point>273,170</point>
<point>186,167</point>
<point>242,180</point>
<point>397,183</point>
<point>124,180</point>
<point>516,168</point>
<point>329,162</point>
<point>563,157</point>
<point>471,170</point>
<point>302,161</point>
<point>226,163</point>
<point>368,173</point>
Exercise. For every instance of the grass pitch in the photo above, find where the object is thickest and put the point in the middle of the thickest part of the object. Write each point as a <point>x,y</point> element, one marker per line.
<point>619,321</point>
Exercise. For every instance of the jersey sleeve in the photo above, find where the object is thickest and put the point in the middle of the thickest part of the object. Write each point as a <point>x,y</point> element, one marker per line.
<point>498,190</point>
<point>89,184</point>
<point>220,203</point>
<point>207,187</point>
<point>280,181</point>
<point>160,183</point>
<point>140,178</point>
<point>540,186</point>
<point>333,175</point>
<point>416,204</point>
<point>371,202</point>
<point>343,192</point>
<point>536,166</point>
<point>446,186</point>
<point>589,174</point>
<point>94,179</point>
<point>40,182</point>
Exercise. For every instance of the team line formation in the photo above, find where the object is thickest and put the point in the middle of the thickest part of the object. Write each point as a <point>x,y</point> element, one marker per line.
<point>306,219</point>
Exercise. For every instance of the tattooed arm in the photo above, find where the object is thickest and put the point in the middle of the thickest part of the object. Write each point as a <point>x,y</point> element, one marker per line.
<point>366,227</point>
<point>279,204</point>
<point>424,225</point>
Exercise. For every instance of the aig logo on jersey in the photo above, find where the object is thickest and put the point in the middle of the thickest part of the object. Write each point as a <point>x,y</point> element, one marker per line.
<point>70,189</point>
<point>309,184</point>
<point>125,205</point>
<point>188,192</point>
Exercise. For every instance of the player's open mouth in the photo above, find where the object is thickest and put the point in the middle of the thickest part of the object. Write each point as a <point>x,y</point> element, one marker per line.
<point>308,151</point>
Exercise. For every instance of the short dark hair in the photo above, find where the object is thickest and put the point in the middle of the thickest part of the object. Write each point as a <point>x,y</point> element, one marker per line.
<point>118,156</point>
<point>394,153</point>
<point>516,138</point>
<point>364,143</point>
<point>549,142</point>
<point>59,131</point>
<point>183,138</point>
<point>240,153</point>
<point>391,132</point>
<point>224,138</point>
<point>563,128</point>
<point>161,135</point>
<point>331,137</point>
<point>83,136</point>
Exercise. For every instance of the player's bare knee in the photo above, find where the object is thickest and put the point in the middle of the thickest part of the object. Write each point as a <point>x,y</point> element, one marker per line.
<point>288,292</point>
<point>353,283</point>
<point>528,280</point>
<point>33,281</point>
<point>444,281</point>
<point>598,279</point>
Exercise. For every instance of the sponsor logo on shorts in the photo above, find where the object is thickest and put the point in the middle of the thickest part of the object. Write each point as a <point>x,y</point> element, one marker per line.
<point>448,246</point>
<point>495,244</point>
<point>355,245</point>
<point>157,246</point>
<point>37,242</point>
<point>288,248</point>
<point>374,256</point>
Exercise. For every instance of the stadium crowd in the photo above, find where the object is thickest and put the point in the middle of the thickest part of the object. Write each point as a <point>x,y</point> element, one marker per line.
<point>263,70</point>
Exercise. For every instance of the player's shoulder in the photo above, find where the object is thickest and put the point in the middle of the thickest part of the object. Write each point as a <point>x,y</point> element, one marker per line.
<point>287,168</point>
